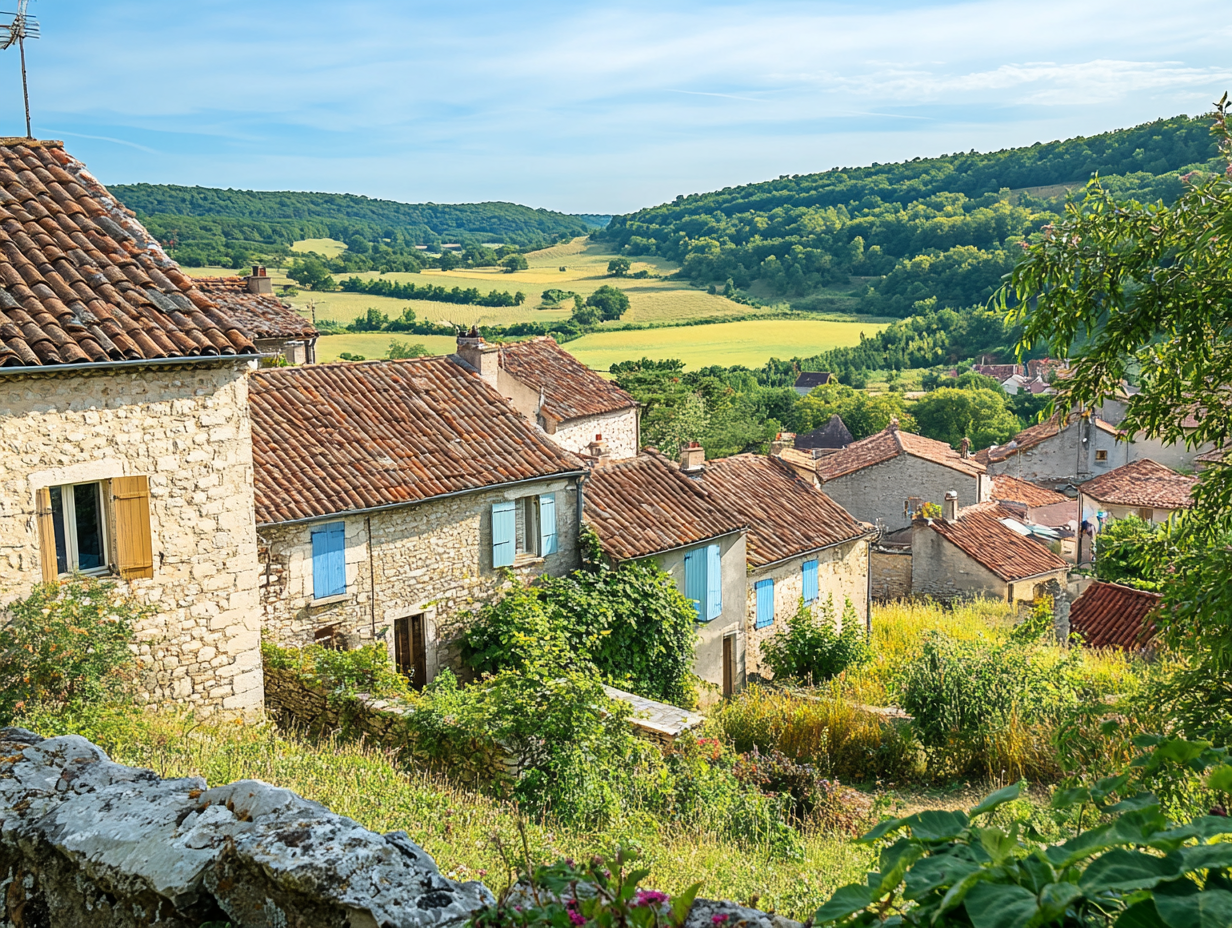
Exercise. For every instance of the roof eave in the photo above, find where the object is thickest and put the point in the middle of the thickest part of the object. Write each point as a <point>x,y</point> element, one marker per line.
<point>807,552</point>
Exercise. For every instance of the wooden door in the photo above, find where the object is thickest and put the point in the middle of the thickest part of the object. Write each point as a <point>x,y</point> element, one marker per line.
<point>410,650</point>
<point>729,665</point>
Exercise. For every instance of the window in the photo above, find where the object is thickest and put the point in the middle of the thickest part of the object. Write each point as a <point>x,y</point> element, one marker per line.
<point>703,581</point>
<point>765,603</point>
<point>1101,455</point>
<point>809,571</point>
<point>75,524</point>
<point>525,527</point>
<point>329,560</point>
<point>80,529</point>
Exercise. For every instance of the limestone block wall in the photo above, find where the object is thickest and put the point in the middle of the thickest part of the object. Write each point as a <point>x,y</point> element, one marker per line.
<point>187,429</point>
<point>433,558</point>
<point>891,572</point>
<point>619,430</point>
<point>943,571</point>
<point>879,492</point>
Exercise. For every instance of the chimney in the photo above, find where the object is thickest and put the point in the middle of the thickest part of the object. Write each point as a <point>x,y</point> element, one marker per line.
<point>692,459</point>
<point>259,282</point>
<point>893,426</point>
<point>597,449</point>
<point>482,357</point>
<point>782,441</point>
<point>949,510</point>
<point>964,447</point>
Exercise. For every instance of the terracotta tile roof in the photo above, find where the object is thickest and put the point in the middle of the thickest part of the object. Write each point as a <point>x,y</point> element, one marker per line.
<point>644,505</point>
<point>334,438</point>
<point>1005,487</point>
<point>889,444</point>
<point>1142,483</point>
<point>1108,427</point>
<point>786,516</point>
<point>1109,615</point>
<point>570,389</point>
<point>260,315</point>
<point>1026,439</point>
<point>999,372</point>
<point>811,379</point>
<point>979,534</point>
<point>82,281</point>
<point>1214,456</point>
<point>834,434</point>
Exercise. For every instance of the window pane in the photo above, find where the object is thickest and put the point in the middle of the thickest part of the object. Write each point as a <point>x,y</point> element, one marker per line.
<point>57,518</point>
<point>89,512</point>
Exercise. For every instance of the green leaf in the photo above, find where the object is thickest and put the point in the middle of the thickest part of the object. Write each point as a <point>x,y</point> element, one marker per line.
<point>999,798</point>
<point>1070,796</point>
<point>1221,779</point>
<point>1054,899</point>
<point>936,825</point>
<point>1000,905</point>
<point>846,900</point>
<point>682,904</point>
<point>881,830</point>
<point>1212,826</point>
<point>956,893</point>
<point>933,872</point>
<point>1134,803</point>
<point>1206,857</point>
<point>999,845</point>
<point>1180,905</point>
<point>894,862</point>
<point>1122,871</point>
<point>1140,915</point>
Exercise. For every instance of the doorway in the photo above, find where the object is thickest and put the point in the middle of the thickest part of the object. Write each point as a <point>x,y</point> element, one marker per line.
<point>410,649</point>
<point>729,665</point>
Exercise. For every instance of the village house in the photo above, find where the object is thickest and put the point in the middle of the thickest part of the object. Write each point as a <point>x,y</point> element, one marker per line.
<point>1110,615</point>
<point>801,546</point>
<point>1144,488</point>
<point>277,331</point>
<point>1038,505</point>
<point>559,394</point>
<point>883,479</point>
<point>391,499</point>
<point>123,410</point>
<point>808,381</point>
<point>648,508</point>
<point>833,436</point>
<point>972,552</point>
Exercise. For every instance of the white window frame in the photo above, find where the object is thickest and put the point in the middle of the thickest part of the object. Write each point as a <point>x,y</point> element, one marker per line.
<point>68,517</point>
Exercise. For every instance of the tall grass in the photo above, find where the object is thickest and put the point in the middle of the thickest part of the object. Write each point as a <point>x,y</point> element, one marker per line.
<point>459,828</point>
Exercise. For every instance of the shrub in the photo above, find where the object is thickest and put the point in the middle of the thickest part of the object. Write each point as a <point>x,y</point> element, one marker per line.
<point>66,644</point>
<point>1120,550</point>
<point>342,674</point>
<point>814,648</point>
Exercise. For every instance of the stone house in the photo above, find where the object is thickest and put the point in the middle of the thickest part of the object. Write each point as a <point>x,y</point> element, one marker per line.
<point>882,479</point>
<point>124,416</point>
<point>1110,615</point>
<point>1037,504</point>
<point>833,436</point>
<point>973,553</point>
<point>800,545</point>
<point>808,381</point>
<point>559,394</point>
<point>391,499</point>
<point>647,507</point>
<point>276,330</point>
<point>1144,488</point>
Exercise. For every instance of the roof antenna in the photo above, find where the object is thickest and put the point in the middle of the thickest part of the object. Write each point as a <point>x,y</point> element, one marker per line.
<point>21,28</point>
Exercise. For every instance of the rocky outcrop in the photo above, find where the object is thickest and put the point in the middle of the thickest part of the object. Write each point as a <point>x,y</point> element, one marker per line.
<point>88,842</point>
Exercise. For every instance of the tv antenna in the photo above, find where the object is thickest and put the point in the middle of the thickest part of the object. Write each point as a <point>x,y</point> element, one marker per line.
<point>21,28</point>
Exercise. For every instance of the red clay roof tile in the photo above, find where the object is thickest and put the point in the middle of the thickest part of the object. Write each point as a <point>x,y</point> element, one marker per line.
<point>889,444</point>
<point>1014,490</point>
<point>260,315</point>
<point>1109,615</point>
<point>980,534</point>
<point>1142,483</point>
<point>570,389</point>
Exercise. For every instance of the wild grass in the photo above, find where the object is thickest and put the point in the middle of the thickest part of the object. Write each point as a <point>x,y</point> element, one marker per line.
<point>372,346</point>
<point>457,827</point>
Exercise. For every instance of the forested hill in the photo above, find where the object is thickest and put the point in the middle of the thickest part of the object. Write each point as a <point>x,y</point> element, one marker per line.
<point>203,223</point>
<point>938,229</point>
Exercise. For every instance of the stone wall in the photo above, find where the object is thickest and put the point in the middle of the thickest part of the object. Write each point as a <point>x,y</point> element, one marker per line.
<point>86,843</point>
<point>943,571</point>
<point>187,429</point>
<point>879,492</point>
<point>619,429</point>
<point>432,558</point>
<point>891,570</point>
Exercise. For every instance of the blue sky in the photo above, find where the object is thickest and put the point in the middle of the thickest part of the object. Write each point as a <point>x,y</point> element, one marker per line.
<point>591,106</point>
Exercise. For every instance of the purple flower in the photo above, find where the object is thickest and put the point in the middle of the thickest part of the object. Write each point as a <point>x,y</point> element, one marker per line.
<point>719,919</point>
<point>650,897</point>
<point>576,917</point>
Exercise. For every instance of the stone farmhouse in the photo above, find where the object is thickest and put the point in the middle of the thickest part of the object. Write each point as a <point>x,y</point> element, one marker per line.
<point>391,497</point>
<point>278,332</point>
<point>884,478</point>
<point>558,393</point>
<point>972,552</point>
<point>647,507</point>
<point>1144,488</point>
<point>800,545</point>
<point>124,415</point>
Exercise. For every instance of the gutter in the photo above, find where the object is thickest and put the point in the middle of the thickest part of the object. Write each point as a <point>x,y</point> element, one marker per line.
<point>343,513</point>
<point>212,359</point>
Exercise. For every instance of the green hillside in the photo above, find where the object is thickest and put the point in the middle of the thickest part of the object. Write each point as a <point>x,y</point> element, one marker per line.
<point>916,235</point>
<point>205,225</point>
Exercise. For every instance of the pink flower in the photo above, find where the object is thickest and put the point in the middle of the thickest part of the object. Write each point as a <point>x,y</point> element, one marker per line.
<point>719,919</point>
<point>650,897</point>
<point>576,917</point>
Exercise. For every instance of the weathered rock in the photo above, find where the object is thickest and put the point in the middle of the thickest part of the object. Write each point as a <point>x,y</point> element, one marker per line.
<point>88,842</point>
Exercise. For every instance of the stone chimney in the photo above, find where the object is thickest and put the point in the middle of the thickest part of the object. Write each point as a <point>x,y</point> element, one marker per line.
<point>597,449</point>
<point>893,426</point>
<point>949,509</point>
<point>964,447</point>
<point>692,459</point>
<point>259,282</point>
<point>482,357</point>
<point>782,441</point>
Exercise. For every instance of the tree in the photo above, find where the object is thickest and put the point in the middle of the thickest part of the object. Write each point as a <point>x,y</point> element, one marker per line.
<point>312,273</point>
<point>864,415</point>
<point>514,262</point>
<point>398,350</point>
<point>1129,286</point>
<point>950,414</point>
<point>583,313</point>
<point>618,267</point>
<point>449,260</point>
<point>610,302</point>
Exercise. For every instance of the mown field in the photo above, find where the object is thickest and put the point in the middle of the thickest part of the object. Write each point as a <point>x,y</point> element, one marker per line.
<point>372,346</point>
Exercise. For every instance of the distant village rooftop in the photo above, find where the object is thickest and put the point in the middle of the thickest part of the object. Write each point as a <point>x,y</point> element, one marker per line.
<point>1013,490</point>
<point>570,390</point>
<point>889,444</point>
<point>1143,483</point>
<point>810,379</point>
<point>83,282</point>
<point>981,535</point>
<point>259,313</point>
<point>834,435</point>
<point>1109,615</point>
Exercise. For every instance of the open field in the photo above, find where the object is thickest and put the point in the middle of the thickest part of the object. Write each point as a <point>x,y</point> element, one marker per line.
<point>374,345</point>
<point>328,247</point>
<point>750,343</point>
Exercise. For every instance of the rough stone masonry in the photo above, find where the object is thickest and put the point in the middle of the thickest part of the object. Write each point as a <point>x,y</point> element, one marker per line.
<point>87,843</point>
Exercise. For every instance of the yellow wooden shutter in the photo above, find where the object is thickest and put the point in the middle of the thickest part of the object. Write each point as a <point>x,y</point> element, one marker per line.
<point>131,503</point>
<point>47,535</point>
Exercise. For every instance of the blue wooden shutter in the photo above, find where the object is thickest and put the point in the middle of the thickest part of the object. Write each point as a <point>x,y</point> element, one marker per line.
<point>547,524</point>
<point>329,560</point>
<point>504,534</point>
<point>765,603</point>
<point>810,582</point>
<point>714,583</point>
<point>695,580</point>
